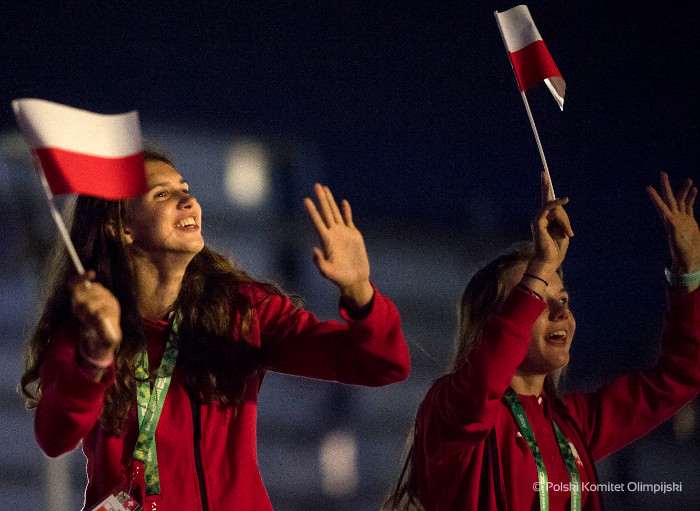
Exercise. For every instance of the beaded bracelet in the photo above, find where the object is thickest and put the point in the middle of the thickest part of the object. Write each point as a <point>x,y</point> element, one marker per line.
<point>682,279</point>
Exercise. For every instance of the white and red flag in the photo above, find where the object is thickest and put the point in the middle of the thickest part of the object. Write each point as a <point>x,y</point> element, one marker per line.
<point>528,54</point>
<point>84,152</point>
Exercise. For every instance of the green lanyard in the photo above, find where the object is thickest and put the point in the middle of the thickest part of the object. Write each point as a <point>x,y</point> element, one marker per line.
<point>524,425</point>
<point>150,404</point>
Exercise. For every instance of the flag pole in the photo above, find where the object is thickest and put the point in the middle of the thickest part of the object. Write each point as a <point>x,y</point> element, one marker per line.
<point>539,144</point>
<point>527,109</point>
<point>58,219</point>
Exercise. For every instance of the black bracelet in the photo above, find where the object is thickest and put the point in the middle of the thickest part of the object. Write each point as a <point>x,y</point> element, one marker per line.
<point>535,277</point>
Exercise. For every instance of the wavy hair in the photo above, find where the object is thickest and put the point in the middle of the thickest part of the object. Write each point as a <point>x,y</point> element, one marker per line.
<point>210,300</point>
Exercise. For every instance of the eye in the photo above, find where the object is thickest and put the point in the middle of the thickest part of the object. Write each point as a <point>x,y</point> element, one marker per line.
<point>160,194</point>
<point>564,300</point>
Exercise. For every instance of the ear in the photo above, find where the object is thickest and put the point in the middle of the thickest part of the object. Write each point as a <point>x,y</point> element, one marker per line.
<point>124,236</point>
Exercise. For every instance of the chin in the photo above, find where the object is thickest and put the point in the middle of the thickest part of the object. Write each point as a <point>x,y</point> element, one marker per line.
<point>560,363</point>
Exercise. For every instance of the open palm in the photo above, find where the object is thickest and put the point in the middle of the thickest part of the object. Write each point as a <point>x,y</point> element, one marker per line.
<point>342,258</point>
<point>676,212</point>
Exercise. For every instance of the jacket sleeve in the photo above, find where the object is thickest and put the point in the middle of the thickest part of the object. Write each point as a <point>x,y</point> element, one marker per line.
<point>369,351</point>
<point>468,398</point>
<point>452,455</point>
<point>70,402</point>
<point>642,400</point>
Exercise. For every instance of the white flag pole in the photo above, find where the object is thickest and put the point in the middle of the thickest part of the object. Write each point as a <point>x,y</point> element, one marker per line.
<point>529,113</point>
<point>58,219</point>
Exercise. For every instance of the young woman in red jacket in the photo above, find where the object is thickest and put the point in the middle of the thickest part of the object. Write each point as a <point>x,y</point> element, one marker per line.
<point>494,433</point>
<point>165,332</point>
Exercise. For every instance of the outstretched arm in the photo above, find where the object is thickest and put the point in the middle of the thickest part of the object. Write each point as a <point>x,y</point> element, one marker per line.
<point>644,399</point>
<point>370,348</point>
<point>342,258</point>
<point>676,212</point>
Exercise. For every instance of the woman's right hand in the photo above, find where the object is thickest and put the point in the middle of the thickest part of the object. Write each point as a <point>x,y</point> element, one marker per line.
<point>99,314</point>
<point>551,231</point>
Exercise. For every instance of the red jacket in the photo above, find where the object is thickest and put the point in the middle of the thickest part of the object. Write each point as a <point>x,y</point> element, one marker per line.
<point>370,351</point>
<point>468,451</point>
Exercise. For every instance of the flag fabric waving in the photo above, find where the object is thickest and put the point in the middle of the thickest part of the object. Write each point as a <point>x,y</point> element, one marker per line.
<point>528,54</point>
<point>84,152</point>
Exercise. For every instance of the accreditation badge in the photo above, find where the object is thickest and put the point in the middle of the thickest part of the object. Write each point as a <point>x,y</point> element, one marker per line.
<point>118,501</point>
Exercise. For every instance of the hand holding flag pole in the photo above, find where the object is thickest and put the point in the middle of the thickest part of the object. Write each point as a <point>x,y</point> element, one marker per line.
<point>76,151</point>
<point>531,64</point>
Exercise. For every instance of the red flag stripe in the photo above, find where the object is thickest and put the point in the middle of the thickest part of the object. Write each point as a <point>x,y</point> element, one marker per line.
<point>108,178</point>
<point>533,64</point>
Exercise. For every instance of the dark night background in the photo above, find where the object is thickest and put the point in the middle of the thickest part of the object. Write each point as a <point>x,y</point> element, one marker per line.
<point>416,113</point>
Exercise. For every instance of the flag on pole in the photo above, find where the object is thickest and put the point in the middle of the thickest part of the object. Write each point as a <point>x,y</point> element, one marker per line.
<point>528,54</point>
<point>84,152</point>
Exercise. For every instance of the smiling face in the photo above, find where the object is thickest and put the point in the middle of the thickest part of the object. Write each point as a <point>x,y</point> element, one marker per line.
<point>553,330</point>
<point>167,219</point>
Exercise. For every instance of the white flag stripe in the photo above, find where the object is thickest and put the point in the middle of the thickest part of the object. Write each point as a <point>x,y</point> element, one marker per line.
<point>48,124</point>
<point>518,28</point>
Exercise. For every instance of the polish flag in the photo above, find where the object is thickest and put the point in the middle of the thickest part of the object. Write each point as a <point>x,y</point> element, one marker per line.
<point>83,152</point>
<point>528,54</point>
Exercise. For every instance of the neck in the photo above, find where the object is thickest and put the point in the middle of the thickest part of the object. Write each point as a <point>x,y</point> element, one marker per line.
<point>527,384</point>
<point>158,282</point>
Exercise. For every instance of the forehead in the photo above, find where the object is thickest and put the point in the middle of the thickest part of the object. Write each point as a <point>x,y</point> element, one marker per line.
<point>512,276</point>
<point>160,172</point>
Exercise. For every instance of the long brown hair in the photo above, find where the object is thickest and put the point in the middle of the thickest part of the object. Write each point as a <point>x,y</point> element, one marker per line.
<point>484,294</point>
<point>209,300</point>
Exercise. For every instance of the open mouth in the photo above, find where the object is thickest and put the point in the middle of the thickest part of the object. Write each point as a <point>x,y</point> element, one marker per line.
<point>558,337</point>
<point>187,224</point>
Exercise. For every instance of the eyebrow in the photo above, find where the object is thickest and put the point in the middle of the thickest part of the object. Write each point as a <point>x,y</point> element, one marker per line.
<point>182,182</point>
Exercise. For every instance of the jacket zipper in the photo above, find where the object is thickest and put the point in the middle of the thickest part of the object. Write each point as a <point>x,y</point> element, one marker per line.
<point>197,424</point>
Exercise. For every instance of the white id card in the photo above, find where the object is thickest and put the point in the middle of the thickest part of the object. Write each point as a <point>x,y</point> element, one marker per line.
<point>121,502</point>
<point>111,503</point>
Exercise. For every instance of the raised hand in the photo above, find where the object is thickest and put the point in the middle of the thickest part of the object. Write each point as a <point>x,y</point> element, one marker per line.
<point>550,234</point>
<point>551,228</point>
<point>676,213</point>
<point>342,258</point>
<point>99,314</point>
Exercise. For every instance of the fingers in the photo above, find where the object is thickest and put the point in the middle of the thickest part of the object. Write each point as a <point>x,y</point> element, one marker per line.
<point>659,203</point>
<point>546,191</point>
<point>323,205</point>
<point>347,213</point>
<point>337,217</point>
<point>327,214</point>
<point>686,197</point>
<point>683,193</point>
<point>667,204</point>
<point>316,218</point>
<point>96,308</point>
<point>560,219</point>
<point>690,201</point>
<point>667,192</point>
<point>548,207</point>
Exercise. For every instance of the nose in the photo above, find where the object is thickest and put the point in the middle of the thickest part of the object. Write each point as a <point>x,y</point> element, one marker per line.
<point>559,311</point>
<point>186,201</point>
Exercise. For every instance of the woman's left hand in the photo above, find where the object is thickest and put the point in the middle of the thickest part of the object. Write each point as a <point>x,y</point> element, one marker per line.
<point>342,258</point>
<point>676,212</point>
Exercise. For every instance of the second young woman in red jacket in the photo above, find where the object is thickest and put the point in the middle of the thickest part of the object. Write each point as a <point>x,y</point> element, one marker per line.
<point>495,433</point>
